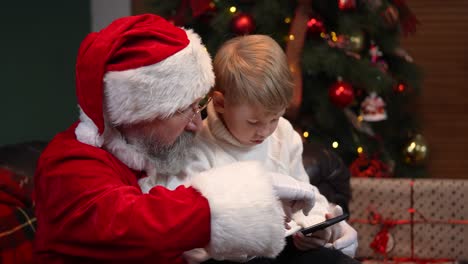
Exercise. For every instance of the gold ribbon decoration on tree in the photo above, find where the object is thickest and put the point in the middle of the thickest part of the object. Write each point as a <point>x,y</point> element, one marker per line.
<point>294,47</point>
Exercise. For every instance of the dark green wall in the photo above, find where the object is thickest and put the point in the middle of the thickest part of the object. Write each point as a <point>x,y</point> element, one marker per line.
<point>39,42</point>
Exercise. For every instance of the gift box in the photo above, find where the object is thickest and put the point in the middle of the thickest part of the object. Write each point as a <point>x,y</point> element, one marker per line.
<point>409,220</point>
<point>441,213</point>
<point>388,198</point>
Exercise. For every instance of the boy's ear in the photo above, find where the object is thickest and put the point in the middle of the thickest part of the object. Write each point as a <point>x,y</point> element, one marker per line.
<point>218,101</point>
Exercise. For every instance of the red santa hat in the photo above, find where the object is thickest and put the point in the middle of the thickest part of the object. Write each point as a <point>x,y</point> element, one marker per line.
<point>136,69</point>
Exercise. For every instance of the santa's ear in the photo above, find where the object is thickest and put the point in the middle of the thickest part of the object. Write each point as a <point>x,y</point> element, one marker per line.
<point>218,101</point>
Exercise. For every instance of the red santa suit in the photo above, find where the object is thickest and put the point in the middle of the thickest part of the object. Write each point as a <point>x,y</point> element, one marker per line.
<point>89,206</point>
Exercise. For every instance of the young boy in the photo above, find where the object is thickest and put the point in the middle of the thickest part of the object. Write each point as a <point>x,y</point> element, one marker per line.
<point>252,90</point>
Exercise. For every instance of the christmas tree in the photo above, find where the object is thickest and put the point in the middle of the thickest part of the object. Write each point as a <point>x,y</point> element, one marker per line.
<point>355,86</point>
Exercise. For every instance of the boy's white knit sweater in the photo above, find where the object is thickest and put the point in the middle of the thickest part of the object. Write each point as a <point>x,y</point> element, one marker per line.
<point>215,146</point>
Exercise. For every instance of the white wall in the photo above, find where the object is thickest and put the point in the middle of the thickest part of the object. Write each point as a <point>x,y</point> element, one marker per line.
<point>105,11</point>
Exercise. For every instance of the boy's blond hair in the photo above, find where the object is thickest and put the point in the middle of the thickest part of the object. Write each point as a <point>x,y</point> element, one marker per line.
<point>253,69</point>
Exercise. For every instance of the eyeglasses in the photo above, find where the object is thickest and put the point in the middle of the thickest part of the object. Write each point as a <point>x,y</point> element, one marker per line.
<point>196,108</point>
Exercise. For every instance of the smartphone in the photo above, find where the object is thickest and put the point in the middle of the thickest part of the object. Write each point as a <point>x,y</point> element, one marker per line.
<point>324,224</point>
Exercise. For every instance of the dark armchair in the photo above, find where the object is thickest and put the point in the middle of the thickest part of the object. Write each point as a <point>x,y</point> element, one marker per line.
<point>328,172</point>
<point>17,220</point>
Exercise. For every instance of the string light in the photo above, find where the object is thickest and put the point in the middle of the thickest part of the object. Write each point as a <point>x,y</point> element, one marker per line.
<point>360,150</point>
<point>411,147</point>
<point>401,87</point>
<point>360,118</point>
<point>232,9</point>
<point>356,40</point>
<point>292,68</point>
<point>305,134</point>
<point>287,20</point>
<point>291,37</point>
<point>335,144</point>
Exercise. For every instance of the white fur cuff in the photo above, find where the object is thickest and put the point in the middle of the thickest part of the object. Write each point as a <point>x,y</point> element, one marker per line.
<point>246,216</point>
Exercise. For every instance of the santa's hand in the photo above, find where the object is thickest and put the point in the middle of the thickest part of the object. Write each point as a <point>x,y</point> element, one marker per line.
<point>344,237</point>
<point>289,189</point>
<point>313,240</point>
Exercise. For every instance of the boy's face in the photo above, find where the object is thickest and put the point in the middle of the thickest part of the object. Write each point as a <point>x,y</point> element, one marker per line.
<point>249,124</point>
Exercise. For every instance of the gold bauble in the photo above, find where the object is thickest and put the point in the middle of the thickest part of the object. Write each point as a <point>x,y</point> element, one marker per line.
<point>416,151</point>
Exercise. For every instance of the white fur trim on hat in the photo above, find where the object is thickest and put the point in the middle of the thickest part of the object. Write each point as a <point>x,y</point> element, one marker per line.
<point>246,215</point>
<point>159,90</point>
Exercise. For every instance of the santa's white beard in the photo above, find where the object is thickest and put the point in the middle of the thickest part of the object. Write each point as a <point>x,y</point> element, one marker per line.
<point>167,159</point>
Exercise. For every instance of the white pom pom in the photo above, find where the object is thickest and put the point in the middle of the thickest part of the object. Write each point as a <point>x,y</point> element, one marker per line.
<point>87,132</point>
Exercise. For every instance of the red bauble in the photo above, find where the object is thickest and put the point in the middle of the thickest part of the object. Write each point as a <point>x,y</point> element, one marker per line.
<point>347,4</point>
<point>341,94</point>
<point>212,7</point>
<point>208,15</point>
<point>242,24</point>
<point>315,26</point>
<point>400,88</point>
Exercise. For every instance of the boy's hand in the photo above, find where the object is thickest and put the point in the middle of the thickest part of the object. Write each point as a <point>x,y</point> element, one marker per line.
<point>314,240</point>
<point>344,237</point>
<point>290,189</point>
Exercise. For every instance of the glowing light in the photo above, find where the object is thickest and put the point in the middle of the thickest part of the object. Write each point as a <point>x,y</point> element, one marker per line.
<point>356,40</point>
<point>232,9</point>
<point>335,144</point>
<point>401,87</point>
<point>287,20</point>
<point>323,35</point>
<point>305,134</point>
<point>360,150</point>
<point>291,37</point>
<point>311,22</point>
<point>360,118</point>
<point>292,68</point>
<point>411,147</point>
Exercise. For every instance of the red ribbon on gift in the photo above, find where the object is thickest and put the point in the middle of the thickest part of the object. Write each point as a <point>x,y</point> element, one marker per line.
<point>380,242</point>
<point>421,261</point>
<point>414,260</point>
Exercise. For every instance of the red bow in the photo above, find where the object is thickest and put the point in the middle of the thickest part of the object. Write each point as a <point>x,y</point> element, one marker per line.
<point>380,242</point>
